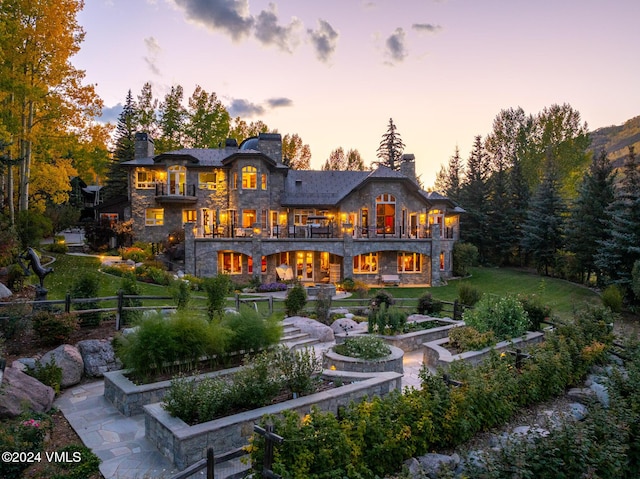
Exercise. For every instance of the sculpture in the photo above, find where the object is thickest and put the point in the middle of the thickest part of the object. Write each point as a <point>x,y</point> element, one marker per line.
<point>34,262</point>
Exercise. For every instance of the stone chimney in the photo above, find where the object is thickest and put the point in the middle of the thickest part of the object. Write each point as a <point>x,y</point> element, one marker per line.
<point>408,166</point>
<point>143,146</point>
<point>271,145</point>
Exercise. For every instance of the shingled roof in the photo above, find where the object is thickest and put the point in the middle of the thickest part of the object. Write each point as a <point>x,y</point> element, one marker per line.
<point>319,188</point>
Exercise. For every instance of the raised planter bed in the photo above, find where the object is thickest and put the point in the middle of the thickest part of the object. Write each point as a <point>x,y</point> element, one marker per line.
<point>393,362</point>
<point>129,398</point>
<point>184,445</point>
<point>437,355</point>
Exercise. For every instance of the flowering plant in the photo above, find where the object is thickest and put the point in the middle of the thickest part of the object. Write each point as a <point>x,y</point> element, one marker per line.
<point>31,423</point>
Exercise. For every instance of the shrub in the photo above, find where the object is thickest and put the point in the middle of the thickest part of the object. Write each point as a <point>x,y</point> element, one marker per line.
<point>348,284</point>
<point>23,434</point>
<point>384,320</point>
<point>469,295</point>
<point>300,369</point>
<point>54,328</point>
<point>381,297</point>
<point>466,338</point>
<point>181,293</point>
<point>195,283</point>
<point>296,300</point>
<point>504,316</point>
<point>361,290</point>
<point>58,245</point>
<point>15,279</point>
<point>88,465</point>
<point>536,311</point>
<point>130,287</point>
<point>365,347</point>
<point>429,306</point>
<point>256,384</point>
<point>137,253</point>
<point>635,280</point>
<point>49,373</point>
<point>86,285</point>
<point>612,298</point>
<point>31,227</point>
<point>217,289</point>
<point>465,255</point>
<point>250,331</point>
<point>14,321</point>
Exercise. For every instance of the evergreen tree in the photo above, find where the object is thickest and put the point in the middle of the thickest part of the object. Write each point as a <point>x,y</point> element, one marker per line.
<point>499,218</point>
<point>449,178</point>
<point>621,249</point>
<point>473,198</point>
<point>172,121</point>
<point>390,148</point>
<point>147,111</point>
<point>519,204</point>
<point>116,184</point>
<point>542,230</point>
<point>587,224</point>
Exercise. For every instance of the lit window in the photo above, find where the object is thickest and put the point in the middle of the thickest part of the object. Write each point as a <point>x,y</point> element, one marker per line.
<point>264,181</point>
<point>230,263</point>
<point>145,179</point>
<point>442,261</point>
<point>154,217</point>
<point>385,214</point>
<point>208,181</point>
<point>234,181</point>
<point>300,216</point>
<point>249,178</point>
<point>365,263</point>
<point>248,218</point>
<point>189,216</point>
<point>409,262</point>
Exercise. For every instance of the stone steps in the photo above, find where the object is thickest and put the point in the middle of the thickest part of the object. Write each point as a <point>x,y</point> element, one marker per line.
<point>294,338</point>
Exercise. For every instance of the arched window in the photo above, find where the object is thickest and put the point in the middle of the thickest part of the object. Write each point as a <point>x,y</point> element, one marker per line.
<point>386,214</point>
<point>249,178</point>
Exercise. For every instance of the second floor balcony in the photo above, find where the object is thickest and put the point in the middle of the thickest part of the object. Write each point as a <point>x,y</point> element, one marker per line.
<point>176,193</point>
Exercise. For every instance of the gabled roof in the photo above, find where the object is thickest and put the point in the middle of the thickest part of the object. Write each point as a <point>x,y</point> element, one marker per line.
<point>206,157</point>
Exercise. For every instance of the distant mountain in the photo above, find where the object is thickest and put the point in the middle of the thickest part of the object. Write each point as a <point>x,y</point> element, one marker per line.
<point>615,140</point>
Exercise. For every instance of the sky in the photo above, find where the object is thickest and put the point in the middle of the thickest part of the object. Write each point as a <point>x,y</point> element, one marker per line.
<point>336,71</point>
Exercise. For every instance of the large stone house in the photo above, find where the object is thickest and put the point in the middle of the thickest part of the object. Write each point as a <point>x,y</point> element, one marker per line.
<point>245,213</point>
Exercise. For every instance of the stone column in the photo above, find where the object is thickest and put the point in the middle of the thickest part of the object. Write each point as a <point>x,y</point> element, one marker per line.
<point>189,249</point>
<point>435,254</point>
<point>347,261</point>
<point>256,255</point>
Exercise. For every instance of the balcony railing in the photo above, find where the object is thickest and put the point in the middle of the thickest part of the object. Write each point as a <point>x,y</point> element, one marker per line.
<point>173,189</point>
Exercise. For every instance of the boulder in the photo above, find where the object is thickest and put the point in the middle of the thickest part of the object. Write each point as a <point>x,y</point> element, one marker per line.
<point>68,359</point>
<point>98,357</point>
<point>313,328</point>
<point>4,291</point>
<point>345,325</point>
<point>24,363</point>
<point>19,390</point>
<point>432,464</point>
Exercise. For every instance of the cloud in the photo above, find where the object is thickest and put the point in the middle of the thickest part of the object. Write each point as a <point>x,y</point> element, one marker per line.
<point>111,114</point>
<point>426,28</point>
<point>269,32</point>
<point>244,108</point>
<point>279,102</point>
<point>324,40</point>
<point>228,16</point>
<point>153,49</point>
<point>395,45</point>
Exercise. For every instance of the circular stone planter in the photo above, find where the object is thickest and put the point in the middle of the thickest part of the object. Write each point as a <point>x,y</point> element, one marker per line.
<point>392,362</point>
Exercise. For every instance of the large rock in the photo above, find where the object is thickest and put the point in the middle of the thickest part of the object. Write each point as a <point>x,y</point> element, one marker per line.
<point>345,325</point>
<point>313,328</point>
<point>4,291</point>
<point>19,390</point>
<point>68,359</point>
<point>98,357</point>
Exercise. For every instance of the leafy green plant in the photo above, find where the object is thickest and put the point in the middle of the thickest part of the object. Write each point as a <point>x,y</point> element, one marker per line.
<point>429,306</point>
<point>25,433</point>
<point>505,316</point>
<point>15,278</point>
<point>381,297</point>
<point>386,320</point>
<point>85,286</point>
<point>87,465</point>
<point>130,287</point>
<point>364,347</point>
<point>250,331</point>
<point>612,298</point>
<point>536,311</point>
<point>469,295</point>
<point>465,255</point>
<point>348,284</point>
<point>14,321</point>
<point>181,293</point>
<point>296,300</point>
<point>217,288</point>
<point>49,374</point>
<point>466,338</point>
<point>300,369</point>
<point>54,328</point>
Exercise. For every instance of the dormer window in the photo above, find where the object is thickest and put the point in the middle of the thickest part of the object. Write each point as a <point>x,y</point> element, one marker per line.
<point>249,178</point>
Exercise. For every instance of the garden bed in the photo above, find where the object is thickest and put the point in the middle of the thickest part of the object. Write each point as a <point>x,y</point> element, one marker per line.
<point>129,398</point>
<point>436,353</point>
<point>184,445</point>
<point>391,363</point>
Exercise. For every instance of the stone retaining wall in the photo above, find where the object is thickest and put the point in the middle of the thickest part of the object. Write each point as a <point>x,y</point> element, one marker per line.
<point>414,340</point>
<point>129,398</point>
<point>392,362</point>
<point>184,445</point>
<point>436,355</point>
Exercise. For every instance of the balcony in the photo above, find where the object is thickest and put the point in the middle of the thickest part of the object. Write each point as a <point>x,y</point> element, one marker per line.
<point>176,193</point>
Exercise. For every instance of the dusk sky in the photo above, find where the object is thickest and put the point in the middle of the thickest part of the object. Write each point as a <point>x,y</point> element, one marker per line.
<point>335,71</point>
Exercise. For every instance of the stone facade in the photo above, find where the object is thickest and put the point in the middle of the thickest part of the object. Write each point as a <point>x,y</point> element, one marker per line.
<point>244,213</point>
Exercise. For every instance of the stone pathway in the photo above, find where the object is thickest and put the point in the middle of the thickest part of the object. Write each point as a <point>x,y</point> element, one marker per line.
<point>120,443</point>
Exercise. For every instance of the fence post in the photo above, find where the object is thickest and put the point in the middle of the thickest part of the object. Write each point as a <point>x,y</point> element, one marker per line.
<point>119,310</point>
<point>457,314</point>
<point>210,463</point>
<point>237,301</point>
<point>67,303</point>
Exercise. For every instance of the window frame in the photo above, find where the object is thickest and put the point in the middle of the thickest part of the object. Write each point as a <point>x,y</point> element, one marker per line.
<point>156,220</point>
<point>360,260</point>
<point>249,175</point>
<point>416,260</point>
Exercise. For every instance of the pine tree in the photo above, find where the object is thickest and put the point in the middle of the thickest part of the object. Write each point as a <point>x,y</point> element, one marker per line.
<point>621,249</point>
<point>543,228</point>
<point>449,178</point>
<point>473,198</point>
<point>390,148</point>
<point>117,184</point>
<point>147,108</point>
<point>587,224</point>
